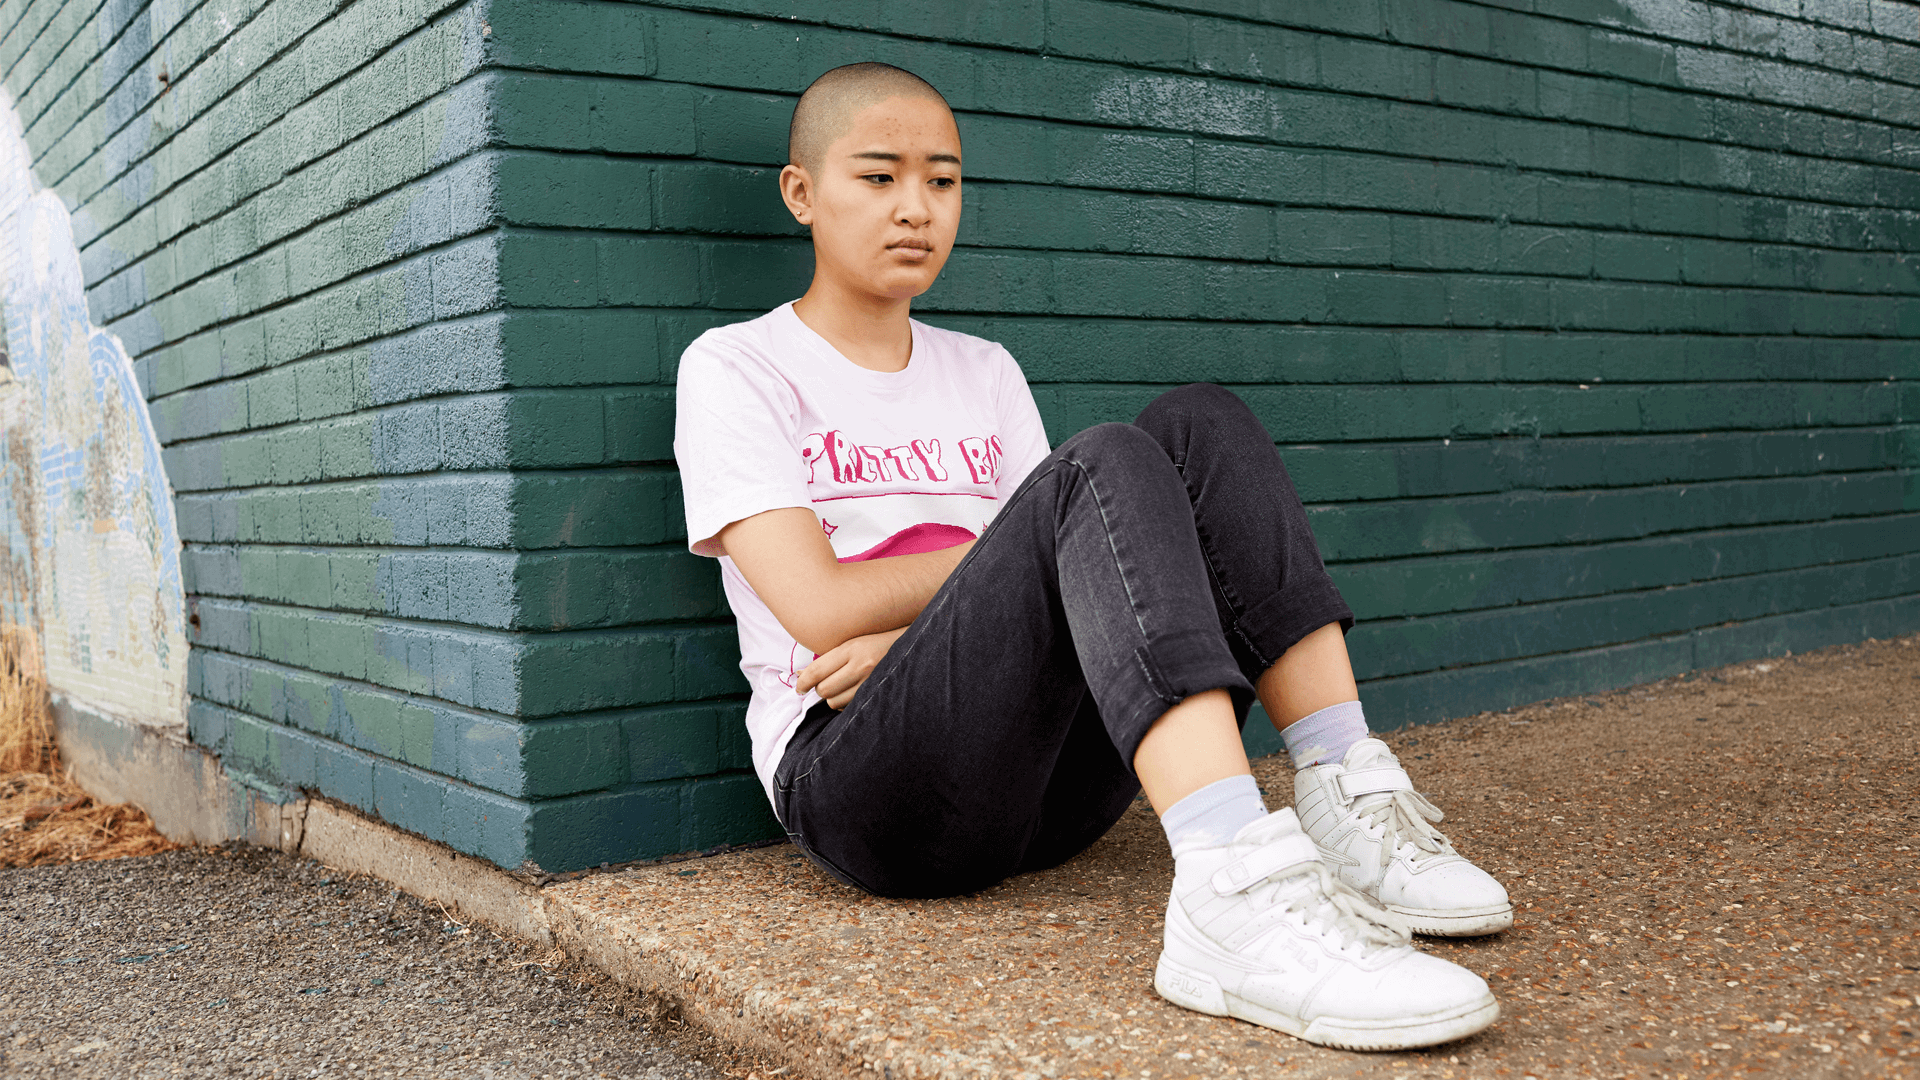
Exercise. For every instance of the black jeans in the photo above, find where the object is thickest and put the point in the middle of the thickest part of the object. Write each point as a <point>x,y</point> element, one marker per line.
<point>1139,564</point>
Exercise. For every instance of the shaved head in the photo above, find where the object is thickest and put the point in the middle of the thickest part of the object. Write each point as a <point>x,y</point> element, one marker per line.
<point>828,107</point>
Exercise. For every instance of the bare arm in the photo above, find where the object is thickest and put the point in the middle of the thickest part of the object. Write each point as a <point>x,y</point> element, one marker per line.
<point>822,602</point>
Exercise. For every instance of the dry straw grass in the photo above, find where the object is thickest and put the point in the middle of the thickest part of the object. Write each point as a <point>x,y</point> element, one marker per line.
<point>44,816</point>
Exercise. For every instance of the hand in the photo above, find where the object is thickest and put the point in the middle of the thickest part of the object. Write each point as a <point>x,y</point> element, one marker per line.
<point>841,670</point>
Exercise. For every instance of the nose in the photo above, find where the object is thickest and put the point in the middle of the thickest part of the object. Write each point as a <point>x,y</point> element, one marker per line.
<point>914,210</point>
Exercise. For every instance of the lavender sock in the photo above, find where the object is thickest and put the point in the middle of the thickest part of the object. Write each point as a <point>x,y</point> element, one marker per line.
<point>1209,817</point>
<point>1325,737</point>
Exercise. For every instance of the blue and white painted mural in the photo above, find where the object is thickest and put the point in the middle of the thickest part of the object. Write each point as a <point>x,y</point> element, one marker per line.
<point>89,553</point>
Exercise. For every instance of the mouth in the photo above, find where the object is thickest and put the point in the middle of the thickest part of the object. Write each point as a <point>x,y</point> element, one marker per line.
<point>913,245</point>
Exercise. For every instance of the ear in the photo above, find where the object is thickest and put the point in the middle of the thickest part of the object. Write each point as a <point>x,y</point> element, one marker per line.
<point>796,190</point>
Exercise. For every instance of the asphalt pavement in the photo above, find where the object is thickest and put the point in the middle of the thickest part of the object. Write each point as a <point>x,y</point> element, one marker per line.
<point>242,961</point>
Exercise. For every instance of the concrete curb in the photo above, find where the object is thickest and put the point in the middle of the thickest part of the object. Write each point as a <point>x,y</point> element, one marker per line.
<point>191,799</point>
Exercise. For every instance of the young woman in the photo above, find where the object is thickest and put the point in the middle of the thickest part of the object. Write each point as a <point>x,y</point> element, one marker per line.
<point>969,652</point>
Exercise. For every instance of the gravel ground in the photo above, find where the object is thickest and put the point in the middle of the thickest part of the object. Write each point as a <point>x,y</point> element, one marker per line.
<point>245,961</point>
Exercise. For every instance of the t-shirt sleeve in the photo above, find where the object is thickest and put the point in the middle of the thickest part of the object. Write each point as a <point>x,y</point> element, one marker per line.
<point>735,439</point>
<point>1023,438</point>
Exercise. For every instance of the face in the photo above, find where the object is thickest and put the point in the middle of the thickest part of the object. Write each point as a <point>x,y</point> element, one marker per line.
<point>885,204</point>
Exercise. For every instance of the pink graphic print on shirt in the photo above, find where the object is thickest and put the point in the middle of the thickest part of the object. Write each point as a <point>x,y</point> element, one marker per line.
<point>797,660</point>
<point>920,459</point>
<point>914,539</point>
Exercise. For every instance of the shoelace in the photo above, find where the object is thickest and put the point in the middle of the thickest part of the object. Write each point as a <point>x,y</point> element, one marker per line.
<point>1405,816</point>
<point>1317,896</point>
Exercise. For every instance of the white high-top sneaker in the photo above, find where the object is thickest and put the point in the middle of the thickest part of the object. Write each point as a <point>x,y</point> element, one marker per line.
<point>1372,830</point>
<point>1258,929</point>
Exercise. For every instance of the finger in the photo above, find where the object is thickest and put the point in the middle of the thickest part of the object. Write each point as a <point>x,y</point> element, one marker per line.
<point>842,698</point>
<point>840,682</point>
<point>823,665</point>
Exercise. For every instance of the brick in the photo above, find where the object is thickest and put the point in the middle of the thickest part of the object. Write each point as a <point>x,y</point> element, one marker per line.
<point>486,824</point>
<point>665,743</point>
<point>549,270</point>
<point>645,821</point>
<point>586,37</point>
<point>610,507</point>
<point>562,757</point>
<point>639,426</point>
<point>582,348</point>
<point>1023,216</point>
<point>706,663</point>
<point>754,277</point>
<point>579,671</point>
<point>1445,24</point>
<point>749,129</point>
<point>584,192</point>
<point>651,272</point>
<point>410,799</point>
<point>630,587</point>
<point>736,743</point>
<point>1636,258</point>
<point>1368,67</point>
<point>1094,157</point>
<point>344,774</point>
<point>729,809</point>
<point>1122,33</point>
<point>1442,243</point>
<point>1255,51</point>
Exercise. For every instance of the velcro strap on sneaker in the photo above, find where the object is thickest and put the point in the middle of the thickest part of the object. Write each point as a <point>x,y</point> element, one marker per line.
<point>1258,865</point>
<point>1375,780</point>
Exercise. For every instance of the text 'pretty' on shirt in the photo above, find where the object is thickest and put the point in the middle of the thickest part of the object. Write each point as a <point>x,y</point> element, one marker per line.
<point>849,463</point>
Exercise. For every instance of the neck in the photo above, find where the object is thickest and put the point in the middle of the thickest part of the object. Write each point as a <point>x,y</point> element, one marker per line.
<point>869,330</point>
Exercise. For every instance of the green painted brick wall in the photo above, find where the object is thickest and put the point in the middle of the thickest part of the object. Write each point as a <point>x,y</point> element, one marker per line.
<point>1590,331</point>
<point>422,475</point>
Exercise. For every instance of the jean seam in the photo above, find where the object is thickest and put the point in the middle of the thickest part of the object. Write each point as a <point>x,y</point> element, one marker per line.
<point>1106,527</point>
<point>1155,681</point>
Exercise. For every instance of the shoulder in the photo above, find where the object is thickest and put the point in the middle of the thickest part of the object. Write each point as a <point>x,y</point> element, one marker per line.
<point>957,344</point>
<point>976,354</point>
<point>742,349</point>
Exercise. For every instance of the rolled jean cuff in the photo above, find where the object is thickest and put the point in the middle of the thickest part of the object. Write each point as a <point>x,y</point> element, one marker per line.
<point>1171,672</point>
<point>1277,624</point>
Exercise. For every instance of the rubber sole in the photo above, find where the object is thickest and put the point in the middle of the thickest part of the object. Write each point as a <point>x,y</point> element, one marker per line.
<point>1201,992</point>
<point>1455,924</point>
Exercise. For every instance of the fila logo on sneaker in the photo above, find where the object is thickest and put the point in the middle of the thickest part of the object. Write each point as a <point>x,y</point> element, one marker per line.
<point>1180,983</point>
<point>1303,956</point>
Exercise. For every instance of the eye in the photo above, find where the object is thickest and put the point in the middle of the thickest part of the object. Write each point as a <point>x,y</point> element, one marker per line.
<point>879,178</point>
<point>945,183</point>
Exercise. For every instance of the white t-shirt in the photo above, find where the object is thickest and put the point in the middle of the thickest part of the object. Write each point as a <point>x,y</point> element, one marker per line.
<point>771,415</point>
